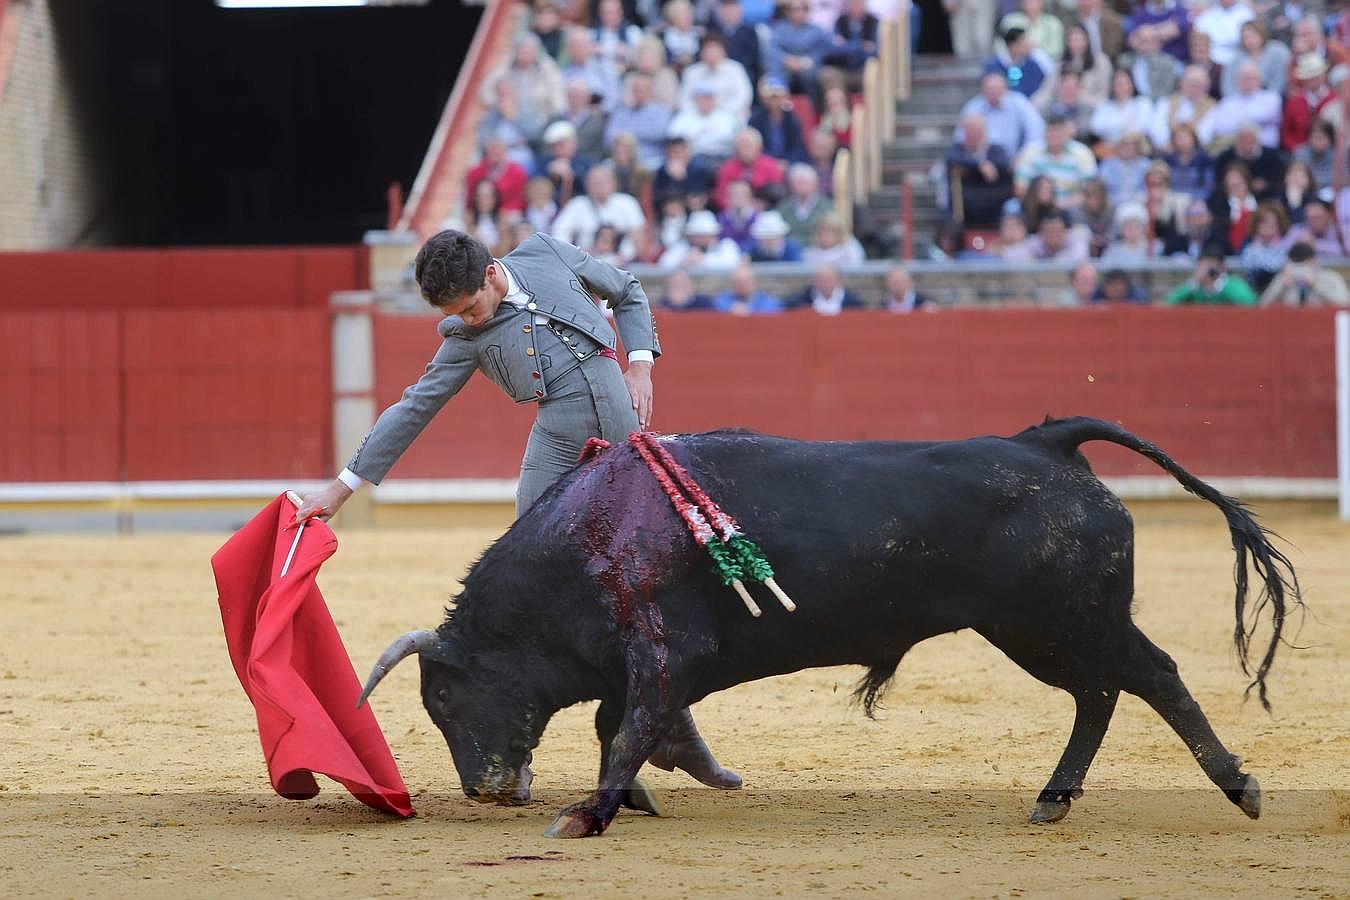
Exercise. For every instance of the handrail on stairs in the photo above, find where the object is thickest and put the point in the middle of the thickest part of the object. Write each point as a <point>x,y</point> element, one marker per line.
<point>886,80</point>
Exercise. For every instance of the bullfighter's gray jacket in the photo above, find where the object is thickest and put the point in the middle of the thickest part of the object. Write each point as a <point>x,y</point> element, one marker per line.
<point>520,357</point>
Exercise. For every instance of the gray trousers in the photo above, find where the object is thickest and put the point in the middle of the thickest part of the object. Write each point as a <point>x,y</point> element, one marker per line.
<point>589,401</point>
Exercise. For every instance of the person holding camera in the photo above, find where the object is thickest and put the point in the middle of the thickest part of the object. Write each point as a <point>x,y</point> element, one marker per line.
<point>1302,282</point>
<point>1211,285</point>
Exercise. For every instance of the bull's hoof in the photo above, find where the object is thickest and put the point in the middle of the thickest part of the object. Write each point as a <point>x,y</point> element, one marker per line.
<point>575,822</point>
<point>1048,811</point>
<point>1248,797</point>
<point>640,797</point>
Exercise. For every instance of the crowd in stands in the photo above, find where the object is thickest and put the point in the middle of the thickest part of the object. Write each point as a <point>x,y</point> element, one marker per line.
<point>703,133</point>
<point>696,133</point>
<point>1112,134</point>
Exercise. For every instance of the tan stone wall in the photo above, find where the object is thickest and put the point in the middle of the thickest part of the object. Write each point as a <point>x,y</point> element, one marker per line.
<point>48,191</point>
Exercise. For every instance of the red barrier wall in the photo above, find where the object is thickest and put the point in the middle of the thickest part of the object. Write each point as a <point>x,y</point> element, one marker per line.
<point>1226,391</point>
<point>161,395</point>
<point>301,277</point>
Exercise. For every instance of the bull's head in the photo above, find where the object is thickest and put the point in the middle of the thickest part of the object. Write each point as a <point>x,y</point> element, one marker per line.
<point>490,730</point>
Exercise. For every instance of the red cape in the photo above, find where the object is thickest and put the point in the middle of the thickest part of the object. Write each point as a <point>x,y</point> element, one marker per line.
<point>291,661</point>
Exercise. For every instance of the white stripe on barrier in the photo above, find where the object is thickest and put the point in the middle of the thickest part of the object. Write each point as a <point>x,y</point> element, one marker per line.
<point>1343,410</point>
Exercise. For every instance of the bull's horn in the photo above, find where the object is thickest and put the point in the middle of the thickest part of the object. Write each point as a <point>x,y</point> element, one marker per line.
<point>407,645</point>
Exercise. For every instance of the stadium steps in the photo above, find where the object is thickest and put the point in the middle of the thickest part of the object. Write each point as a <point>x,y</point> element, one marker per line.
<point>940,85</point>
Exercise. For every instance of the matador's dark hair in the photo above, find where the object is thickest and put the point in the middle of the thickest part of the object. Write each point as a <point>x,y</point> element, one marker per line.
<point>450,265</point>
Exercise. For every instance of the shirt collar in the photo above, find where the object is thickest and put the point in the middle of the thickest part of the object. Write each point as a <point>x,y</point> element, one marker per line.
<point>514,294</point>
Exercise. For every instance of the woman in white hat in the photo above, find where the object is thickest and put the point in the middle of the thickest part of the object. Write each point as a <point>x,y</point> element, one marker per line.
<point>703,246</point>
<point>771,241</point>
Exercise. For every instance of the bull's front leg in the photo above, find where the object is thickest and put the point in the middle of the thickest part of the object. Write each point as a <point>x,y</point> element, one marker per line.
<point>639,732</point>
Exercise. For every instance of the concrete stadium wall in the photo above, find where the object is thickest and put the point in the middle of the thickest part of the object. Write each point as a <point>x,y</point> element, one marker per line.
<point>1228,392</point>
<point>48,176</point>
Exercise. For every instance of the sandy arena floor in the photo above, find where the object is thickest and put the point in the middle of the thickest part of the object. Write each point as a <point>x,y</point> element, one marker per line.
<point>129,761</point>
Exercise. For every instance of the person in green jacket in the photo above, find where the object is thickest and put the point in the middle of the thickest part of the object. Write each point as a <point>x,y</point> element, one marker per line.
<point>1211,285</point>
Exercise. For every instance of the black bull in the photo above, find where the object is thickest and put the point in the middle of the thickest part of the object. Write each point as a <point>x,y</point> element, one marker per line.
<point>598,592</point>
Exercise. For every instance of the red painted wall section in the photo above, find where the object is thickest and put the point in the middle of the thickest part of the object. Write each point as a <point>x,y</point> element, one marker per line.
<point>180,279</point>
<point>1226,392</point>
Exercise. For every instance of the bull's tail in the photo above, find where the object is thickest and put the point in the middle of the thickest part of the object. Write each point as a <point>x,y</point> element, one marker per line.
<point>1251,542</point>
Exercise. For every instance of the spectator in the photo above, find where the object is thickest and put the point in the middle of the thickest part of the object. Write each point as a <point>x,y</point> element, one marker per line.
<point>1011,120</point>
<point>1264,253</point>
<point>854,42</point>
<point>1198,45</point>
<point>1271,59</point>
<point>1232,206</point>
<point>536,77</point>
<point>1309,38</point>
<point>1132,244</point>
<point>827,295</point>
<point>563,165</point>
<point>830,243</point>
<point>1279,18</point>
<point>1082,289</point>
<point>972,26</point>
<point>1092,69</point>
<point>1117,288</point>
<point>1125,110</point>
<point>744,297</point>
<point>742,43</point>
<point>1166,208</point>
<point>1318,229</point>
<point>602,204</point>
<point>506,122</point>
<point>650,60</point>
<point>837,117</point>
<point>643,118</point>
<point>1319,156</point>
<point>1038,201</point>
<point>506,175</point>
<point>682,176</point>
<point>900,294</point>
<point>586,115</point>
<point>1064,160</point>
<point>1013,243</point>
<point>730,85</point>
<point>681,35</point>
<point>1155,73</point>
<point>748,163</point>
<point>1046,32</point>
<point>1263,163</point>
<point>738,216</point>
<point>1197,233</point>
<point>680,295</point>
<point>630,175</point>
<point>1068,102</point>
<point>1168,19</point>
<point>703,246</point>
<point>1334,112</point>
<point>672,216</point>
<point>804,205</point>
<point>1222,24</point>
<point>1250,104</point>
<point>1025,69</point>
<point>798,50</point>
<point>821,150</point>
<point>1106,30</point>
<point>1211,285</point>
<point>777,123</point>
<point>1297,190</point>
<point>983,172</point>
<point>1058,241</point>
<point>610,246</point>
<point>1306,102</point>
<point>1096,214</point>
<point>546,25</point>
<point>771,240</point>
<point>1192,168</point>
<point>585,65</point>
<point>1188,106</point>
<point>708,129</point>
<point>1302,282</point>
<point>540,207</point>
<point>482,218</point>
<point>1124,172</point>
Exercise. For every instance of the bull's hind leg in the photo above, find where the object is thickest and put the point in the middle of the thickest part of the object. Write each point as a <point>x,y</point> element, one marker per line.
<point>1094,709</point>
<point>1151,675</point>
